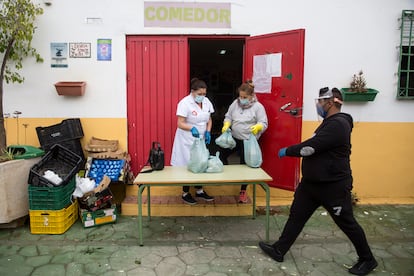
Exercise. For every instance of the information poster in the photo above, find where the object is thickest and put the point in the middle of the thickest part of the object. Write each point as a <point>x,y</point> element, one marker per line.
<point>59,55</point>
<point>264,68</point>
<point>79,50</point>
<point>104,49</point>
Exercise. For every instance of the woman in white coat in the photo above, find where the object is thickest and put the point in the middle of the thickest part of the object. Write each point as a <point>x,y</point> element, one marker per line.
<point>193,121</point>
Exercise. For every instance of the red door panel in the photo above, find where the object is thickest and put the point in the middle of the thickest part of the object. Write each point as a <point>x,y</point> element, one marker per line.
<point>157,72</point>
<point>285,126</point>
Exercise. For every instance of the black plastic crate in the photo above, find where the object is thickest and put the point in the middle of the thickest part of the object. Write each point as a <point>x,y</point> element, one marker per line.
<point>61,161</point>
<point>68,129</point>
<point>73,145</point>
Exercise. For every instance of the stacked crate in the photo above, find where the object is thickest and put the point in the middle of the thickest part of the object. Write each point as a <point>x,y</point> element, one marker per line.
<point>67,133</point>
<point>97,207</point>
<point>51,208</point>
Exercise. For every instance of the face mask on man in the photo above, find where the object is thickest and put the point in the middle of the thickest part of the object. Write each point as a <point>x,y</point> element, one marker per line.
<point>199,98</point>
<point>321,111</point>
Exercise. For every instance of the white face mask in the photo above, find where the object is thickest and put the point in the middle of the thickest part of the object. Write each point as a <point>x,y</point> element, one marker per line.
<point>244,101</point>
<point>199,98</point>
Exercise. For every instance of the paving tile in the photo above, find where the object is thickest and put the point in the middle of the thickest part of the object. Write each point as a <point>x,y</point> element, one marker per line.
<point>210,246</point>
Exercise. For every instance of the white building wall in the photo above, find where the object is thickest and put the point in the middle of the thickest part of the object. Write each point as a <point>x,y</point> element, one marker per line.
<point>341,38</point>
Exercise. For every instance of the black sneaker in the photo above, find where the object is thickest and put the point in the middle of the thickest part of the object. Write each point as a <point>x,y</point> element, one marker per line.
<point>189,199</point>
<point>363,267</point>
<point>271,251</point>
<point>204,196</point>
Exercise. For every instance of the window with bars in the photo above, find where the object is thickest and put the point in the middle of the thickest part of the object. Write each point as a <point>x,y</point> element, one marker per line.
<point>406,66</point>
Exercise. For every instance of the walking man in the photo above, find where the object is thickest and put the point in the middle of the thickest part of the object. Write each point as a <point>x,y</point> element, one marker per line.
<point>326,181</point>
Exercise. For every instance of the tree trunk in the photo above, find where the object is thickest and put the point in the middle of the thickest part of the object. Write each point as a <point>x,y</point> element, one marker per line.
<point>2,135</point>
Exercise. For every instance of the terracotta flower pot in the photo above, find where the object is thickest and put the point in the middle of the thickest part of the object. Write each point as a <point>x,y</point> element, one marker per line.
<point>70,88</point>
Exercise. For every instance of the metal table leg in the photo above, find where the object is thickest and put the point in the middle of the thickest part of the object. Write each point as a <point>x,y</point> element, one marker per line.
<point>267,190</point>
<point>140,190</point>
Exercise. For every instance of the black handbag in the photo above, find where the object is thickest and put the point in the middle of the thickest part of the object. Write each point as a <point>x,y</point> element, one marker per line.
<point>156,158</point>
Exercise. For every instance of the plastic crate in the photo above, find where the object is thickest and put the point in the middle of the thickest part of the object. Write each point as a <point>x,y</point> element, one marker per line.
<point>51,198</point>
<point>61,161</point>
<point>68,129</point>
<point>72,145</point>
<point>98,217</point>
<point>53,222</point>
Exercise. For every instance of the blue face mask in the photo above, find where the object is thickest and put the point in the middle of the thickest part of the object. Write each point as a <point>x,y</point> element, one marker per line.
<point>244,101</point>
<point>321,111</point>
<point>199,98</point>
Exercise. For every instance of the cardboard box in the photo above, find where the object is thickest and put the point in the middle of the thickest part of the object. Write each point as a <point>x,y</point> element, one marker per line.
<point>98,217</point>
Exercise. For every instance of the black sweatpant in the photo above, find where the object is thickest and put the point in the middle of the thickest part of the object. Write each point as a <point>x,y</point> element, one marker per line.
<point>186,189</point>
<point>336,199</point>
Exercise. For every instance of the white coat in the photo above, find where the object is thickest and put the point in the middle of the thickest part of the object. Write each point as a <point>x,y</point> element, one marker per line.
<point>195,116</point>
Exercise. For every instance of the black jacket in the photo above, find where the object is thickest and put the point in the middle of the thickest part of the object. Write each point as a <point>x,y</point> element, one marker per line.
<point>326,154</point>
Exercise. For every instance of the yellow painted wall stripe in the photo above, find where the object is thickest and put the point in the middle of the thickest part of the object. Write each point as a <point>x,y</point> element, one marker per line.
<point>381,160</point>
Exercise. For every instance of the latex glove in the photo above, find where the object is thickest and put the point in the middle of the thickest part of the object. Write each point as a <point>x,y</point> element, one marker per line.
<point>207,137</point>
<point>282,152</point>
<point>194,132</point>
<point>226,126</point>
<point>256,128</point>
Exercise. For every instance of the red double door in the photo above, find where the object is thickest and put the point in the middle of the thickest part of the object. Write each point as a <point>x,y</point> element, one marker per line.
<point>158,77</point>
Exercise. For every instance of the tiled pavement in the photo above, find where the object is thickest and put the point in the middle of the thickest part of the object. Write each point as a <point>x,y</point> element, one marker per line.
<point>210,246</point>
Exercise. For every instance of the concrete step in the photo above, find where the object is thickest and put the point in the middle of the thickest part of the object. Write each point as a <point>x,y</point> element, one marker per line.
<point>225,190</point>
<point>174,206</point>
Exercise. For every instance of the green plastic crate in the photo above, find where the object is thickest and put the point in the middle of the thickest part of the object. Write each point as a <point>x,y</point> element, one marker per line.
<point>51,198</point>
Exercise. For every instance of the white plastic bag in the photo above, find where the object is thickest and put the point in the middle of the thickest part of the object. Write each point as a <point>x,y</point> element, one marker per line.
<point>225,140</point>
<point>252,152</point>
<point>83,186</point>
<point>214,164</point>
<point>198,156</point>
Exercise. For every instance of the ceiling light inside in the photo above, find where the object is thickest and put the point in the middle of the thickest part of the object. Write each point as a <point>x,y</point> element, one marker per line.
<point>222,52</point>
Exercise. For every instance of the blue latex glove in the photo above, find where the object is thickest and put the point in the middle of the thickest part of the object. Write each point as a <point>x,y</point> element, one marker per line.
<point>207,137</point>
<point>282,152</point>
<point>194,132</point>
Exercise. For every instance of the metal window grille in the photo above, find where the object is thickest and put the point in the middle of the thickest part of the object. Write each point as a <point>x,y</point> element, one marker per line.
<point>406,64</point>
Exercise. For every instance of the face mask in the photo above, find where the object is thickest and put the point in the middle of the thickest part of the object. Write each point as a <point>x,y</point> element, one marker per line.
<point>321,111</point>
<point>199,98</point>
<point>244,101</point>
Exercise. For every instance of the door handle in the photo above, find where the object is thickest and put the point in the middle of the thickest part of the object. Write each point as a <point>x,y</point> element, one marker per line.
<point>293,111</point>
<point>283,107</point>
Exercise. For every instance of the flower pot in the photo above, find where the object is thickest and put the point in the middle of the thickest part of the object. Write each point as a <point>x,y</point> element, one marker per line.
<point>70,88</point>
<point>367,96</point>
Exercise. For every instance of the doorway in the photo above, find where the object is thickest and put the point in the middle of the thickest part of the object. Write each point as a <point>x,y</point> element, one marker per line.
<point>219,62</point>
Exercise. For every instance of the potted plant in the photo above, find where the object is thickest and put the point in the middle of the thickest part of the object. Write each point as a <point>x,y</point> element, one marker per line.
<point>358,91</point>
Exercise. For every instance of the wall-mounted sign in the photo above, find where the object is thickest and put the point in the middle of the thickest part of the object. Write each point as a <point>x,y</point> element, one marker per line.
<point>104,49</point>
<point>59,54</point>
<point>80,50</point>
<point>187,14</point>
